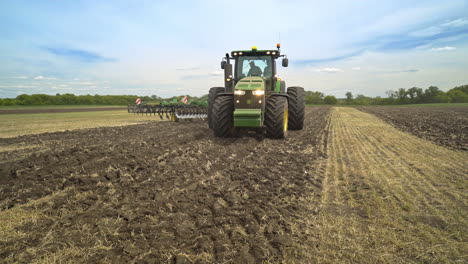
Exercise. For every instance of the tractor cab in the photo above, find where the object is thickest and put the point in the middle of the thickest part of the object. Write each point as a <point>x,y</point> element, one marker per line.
<point>254,63</point>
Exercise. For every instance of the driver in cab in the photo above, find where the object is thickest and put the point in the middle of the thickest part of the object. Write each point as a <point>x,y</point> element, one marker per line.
<point>254,70</point>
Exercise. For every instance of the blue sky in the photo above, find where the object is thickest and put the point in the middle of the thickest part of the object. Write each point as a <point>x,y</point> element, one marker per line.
<point>174,47</point>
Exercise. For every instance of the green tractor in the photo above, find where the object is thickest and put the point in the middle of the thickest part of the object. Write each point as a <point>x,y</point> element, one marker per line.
<point>253,97</point>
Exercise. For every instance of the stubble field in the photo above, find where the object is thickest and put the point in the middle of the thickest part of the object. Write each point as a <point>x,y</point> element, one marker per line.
<point>348,188</point>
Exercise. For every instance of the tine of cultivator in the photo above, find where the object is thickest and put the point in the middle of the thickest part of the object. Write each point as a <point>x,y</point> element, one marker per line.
<point>191,112</point>
<point>171,112</point>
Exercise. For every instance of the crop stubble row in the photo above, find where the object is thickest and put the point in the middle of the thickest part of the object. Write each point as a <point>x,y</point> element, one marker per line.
<point>397,197</point>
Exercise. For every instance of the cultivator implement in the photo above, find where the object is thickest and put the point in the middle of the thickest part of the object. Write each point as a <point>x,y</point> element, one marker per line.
<point>173,112</point>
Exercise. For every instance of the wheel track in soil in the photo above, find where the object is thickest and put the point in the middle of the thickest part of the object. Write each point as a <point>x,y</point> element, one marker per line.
<point>379,177</point>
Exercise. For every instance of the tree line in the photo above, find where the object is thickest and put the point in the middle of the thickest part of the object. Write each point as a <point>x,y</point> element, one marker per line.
<point>413,95</point>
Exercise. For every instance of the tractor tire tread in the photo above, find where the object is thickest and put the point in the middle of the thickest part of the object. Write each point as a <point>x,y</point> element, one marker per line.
<point>296,108</point>
<point>222,116</point>
<point>274,117</point>
<point>211,98</point>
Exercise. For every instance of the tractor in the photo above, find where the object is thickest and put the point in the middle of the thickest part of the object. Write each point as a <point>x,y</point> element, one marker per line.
<point>254,97</point>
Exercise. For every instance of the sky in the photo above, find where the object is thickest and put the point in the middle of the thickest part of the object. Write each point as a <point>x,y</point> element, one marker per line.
<point>168,48</point>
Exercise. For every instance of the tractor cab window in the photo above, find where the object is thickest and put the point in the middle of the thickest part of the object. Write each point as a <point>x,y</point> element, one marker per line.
<point>254,66</point>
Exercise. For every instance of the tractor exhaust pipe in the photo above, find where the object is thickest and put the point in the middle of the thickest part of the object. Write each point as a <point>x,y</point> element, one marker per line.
<point>228,75</point>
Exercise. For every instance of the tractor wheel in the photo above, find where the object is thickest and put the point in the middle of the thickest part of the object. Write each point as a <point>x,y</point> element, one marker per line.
<point>296,108</point>
<point>211,99</point>
<point>276,117</point>
<point>222,116</point>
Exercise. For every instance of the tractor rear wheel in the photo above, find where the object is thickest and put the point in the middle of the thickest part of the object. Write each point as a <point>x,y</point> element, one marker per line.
<point>296,108</point>
<point>276,117</point>
<point>211,98</point>
<point>222,116</point>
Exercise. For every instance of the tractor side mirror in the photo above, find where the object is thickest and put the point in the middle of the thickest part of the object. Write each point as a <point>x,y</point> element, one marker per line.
<point>285,62</point>
<point>223,64</point>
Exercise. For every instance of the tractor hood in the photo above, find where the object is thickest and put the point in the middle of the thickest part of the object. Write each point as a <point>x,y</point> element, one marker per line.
<point>250,83</point>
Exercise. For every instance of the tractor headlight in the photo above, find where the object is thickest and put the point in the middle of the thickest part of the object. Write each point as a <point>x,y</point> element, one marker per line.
<point>239,92</point>
<point>258,92</point>
<point>240,53</point>
<point>235,53</point>
<point>268,53</point>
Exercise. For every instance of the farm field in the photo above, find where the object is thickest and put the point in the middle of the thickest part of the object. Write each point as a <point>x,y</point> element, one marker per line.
<point>48,107</point>
<point>348,188</point>
<point>32,110</point>
<point>446,126</point>
<point>40,122</point>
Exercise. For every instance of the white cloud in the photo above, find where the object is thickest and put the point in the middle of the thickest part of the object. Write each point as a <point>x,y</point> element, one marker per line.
<point>329,70</point>
<point>444,49</point>
<point>16,77</point>
<point>18,86</point>
<point>83,83</point>
<point>427,32</point>
<point>356,68</point>
<point>456,23</point>
<point>44,78</point>
<point>437,29</point>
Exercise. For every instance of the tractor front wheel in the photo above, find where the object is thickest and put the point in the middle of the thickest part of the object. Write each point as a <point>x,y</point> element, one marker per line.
<point>211,99</point>
<point>276,117</point>
<point>222,116</point>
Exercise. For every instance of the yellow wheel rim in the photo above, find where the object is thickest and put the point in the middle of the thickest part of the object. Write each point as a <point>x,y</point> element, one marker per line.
<point>285,118</point>
<point>173,117</point>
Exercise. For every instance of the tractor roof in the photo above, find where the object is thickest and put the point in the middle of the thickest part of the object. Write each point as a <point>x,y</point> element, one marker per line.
<point>255,52</point>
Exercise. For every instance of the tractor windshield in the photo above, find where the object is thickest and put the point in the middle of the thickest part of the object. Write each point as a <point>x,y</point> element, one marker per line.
<point>254,66</point>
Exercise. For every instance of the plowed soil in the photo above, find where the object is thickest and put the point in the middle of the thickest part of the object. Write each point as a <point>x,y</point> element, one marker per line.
<point>445,126</point>
<point>160,192</point>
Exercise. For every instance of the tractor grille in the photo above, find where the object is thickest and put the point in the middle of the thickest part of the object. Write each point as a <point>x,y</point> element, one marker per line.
<point>249,101</point>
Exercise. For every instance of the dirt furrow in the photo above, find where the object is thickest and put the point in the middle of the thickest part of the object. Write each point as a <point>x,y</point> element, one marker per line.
<point>334,168</point>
